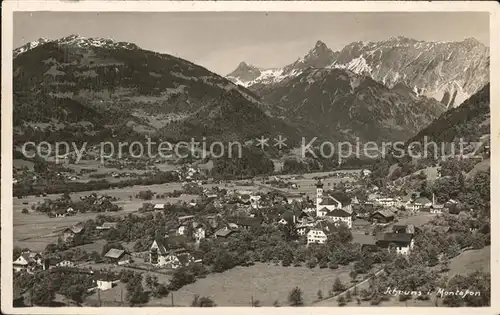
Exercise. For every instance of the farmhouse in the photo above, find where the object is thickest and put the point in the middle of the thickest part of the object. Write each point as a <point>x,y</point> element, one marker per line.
<point>401,242</point>
<point>316,236</point>
<point>163,255</point>
<point>340,215</point>
<point>224,232</point>
<point>106,281</point>
<point>386,202</point>
<point>69,234</point>
<point>382,216</point>
<point>255,201</point>
<point>303,228</point>
<point>180,258</point>
<point>199,231</point>
<point>23,263</point>
<point>247,223</point>
<point>159,206</point>
<point>117,256</point>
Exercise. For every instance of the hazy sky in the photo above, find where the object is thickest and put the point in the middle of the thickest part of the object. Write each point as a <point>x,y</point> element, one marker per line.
<point>219,41</point>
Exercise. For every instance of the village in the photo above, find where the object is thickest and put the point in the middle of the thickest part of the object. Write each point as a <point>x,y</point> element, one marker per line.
<point>337,221</point>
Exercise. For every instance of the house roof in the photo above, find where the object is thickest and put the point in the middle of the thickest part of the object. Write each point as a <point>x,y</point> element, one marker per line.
<point>223,232</point>
<point>385,213</point>
<point>159,206</point>
<point>26,257</point>
<point>338,213</point>
<point>406,198</point>
<point>184,258</point>
<point>363,239</point>
<point>288,214</point>
<point>162,247</point>
<point>109,224</point>
<point>114,253</point>
<point>74,229</point>
<point>317,230</point>
<point>329,201</point>
<point>185,217</point>
<point>248,221</point>
<point>394,237</point>
<point>422,200</point>
<point>60,211</point>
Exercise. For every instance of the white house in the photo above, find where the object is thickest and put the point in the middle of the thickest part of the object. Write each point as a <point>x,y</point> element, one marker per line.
<point>106,282</point>
<point>316,236</point>
<point>387,202</point>
<point>303,227</point>
<point>22,262</point>
<point>65,263</point>
<point>199,233</point>
<point>340,215</point>
<point>159,206</point>
<point>255,201</point>
<point>181,229</point>
<point>402,243</point>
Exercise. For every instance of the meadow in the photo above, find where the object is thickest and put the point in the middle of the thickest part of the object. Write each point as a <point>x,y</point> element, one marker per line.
<point>266,283</point>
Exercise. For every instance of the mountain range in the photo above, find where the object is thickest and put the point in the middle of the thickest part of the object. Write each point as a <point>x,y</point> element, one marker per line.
<point>111,84</point>
<point>91,86</point>
<point>449,72</point>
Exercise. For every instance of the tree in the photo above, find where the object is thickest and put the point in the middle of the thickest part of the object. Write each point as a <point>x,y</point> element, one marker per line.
<point>77,293</point>
<point>149,281</point>
<point>445,264</point>
<point>348,296</point>
<point>338,286</point>
<point>320,295</point>
<point>145,195</point>
<point>135,291</point>
<point>43,293</point>
<point>295,297</point>
<point>353,274</point>
<point>160,290</point>
<point>40,165</point>
<point>311,263</point>
<point>341,300</point>
<point>202,302</point>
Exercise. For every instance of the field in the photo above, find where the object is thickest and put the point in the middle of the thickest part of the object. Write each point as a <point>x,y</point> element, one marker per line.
<point>470,261</point>
<point>36,230</point>
<point>263,282</point>
<point>482,166</point>
<point>307,184</point>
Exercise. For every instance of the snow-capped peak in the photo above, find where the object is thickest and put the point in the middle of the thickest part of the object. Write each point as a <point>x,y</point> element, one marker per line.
<point>75,40</point>
<point>29,46</point>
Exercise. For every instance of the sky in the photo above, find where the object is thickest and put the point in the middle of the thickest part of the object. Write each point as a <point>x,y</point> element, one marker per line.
<point>219,41</point>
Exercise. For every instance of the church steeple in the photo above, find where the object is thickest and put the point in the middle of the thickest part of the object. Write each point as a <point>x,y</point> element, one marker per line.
<point>319,195</point>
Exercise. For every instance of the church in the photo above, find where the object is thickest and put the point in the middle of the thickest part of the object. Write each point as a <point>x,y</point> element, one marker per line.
<point>330,208</point>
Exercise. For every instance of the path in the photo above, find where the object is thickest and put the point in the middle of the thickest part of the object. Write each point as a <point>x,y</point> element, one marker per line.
<point>329,299</point>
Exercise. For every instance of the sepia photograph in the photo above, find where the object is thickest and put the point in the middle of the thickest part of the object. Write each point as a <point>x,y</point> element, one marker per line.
<point>247,158</point>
